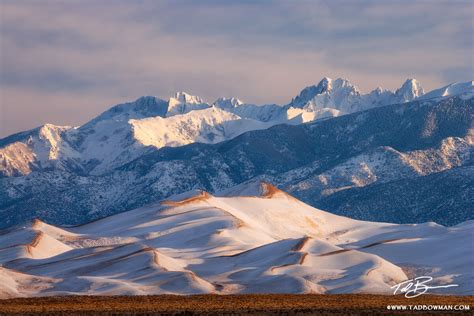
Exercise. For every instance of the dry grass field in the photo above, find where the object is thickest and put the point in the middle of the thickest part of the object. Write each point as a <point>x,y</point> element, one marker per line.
<point>354,304</point>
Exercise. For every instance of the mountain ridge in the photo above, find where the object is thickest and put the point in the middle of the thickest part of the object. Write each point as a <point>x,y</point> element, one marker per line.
<point>109,141</point>
<point>287,155</point>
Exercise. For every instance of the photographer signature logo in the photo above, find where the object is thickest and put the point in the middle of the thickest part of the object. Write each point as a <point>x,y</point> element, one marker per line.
<point>416,287</point>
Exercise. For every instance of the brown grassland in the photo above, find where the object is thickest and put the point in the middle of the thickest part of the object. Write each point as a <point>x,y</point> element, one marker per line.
<point>265,304</point>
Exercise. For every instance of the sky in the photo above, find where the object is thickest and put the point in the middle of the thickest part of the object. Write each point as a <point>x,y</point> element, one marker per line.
<point>64,62</point>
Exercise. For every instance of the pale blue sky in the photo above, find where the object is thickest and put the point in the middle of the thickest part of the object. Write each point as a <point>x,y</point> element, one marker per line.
<point>64,62</point>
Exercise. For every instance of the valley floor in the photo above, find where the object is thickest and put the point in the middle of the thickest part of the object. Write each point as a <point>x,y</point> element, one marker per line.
<point>265,304</point>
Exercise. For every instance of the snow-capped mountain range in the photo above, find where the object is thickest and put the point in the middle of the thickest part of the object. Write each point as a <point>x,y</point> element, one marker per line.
<point>351,144</point>
<point>240,242</point>
<point>126,131</point>
<point>343,96</point>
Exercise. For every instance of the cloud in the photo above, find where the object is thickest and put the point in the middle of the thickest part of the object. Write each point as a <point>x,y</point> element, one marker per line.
<point>65,61</point>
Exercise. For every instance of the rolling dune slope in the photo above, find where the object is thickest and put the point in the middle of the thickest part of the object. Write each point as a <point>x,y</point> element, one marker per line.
<point>252,240</point>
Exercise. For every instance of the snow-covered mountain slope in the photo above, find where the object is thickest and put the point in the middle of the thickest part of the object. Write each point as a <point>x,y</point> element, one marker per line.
<point>211,125</point>
<point>127,131</point>
<point>385,164</point>
<point>400,163</point>
<point>199,243</point>
<point>121,135</point>
<point>43,148</point>
<point>459,88</point>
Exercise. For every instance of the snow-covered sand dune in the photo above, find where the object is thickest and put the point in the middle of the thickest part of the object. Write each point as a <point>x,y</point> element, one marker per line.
<point>250,240</point>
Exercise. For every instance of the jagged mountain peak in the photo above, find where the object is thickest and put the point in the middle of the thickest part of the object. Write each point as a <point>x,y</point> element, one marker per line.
<point>410,90</point>
<point>183,102</point>
<point>326,86</point>
<point>340,94</point>
<point>227,103</point>
<point>183,97</point>
<point>379,90</point>
<point>339,83</point>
